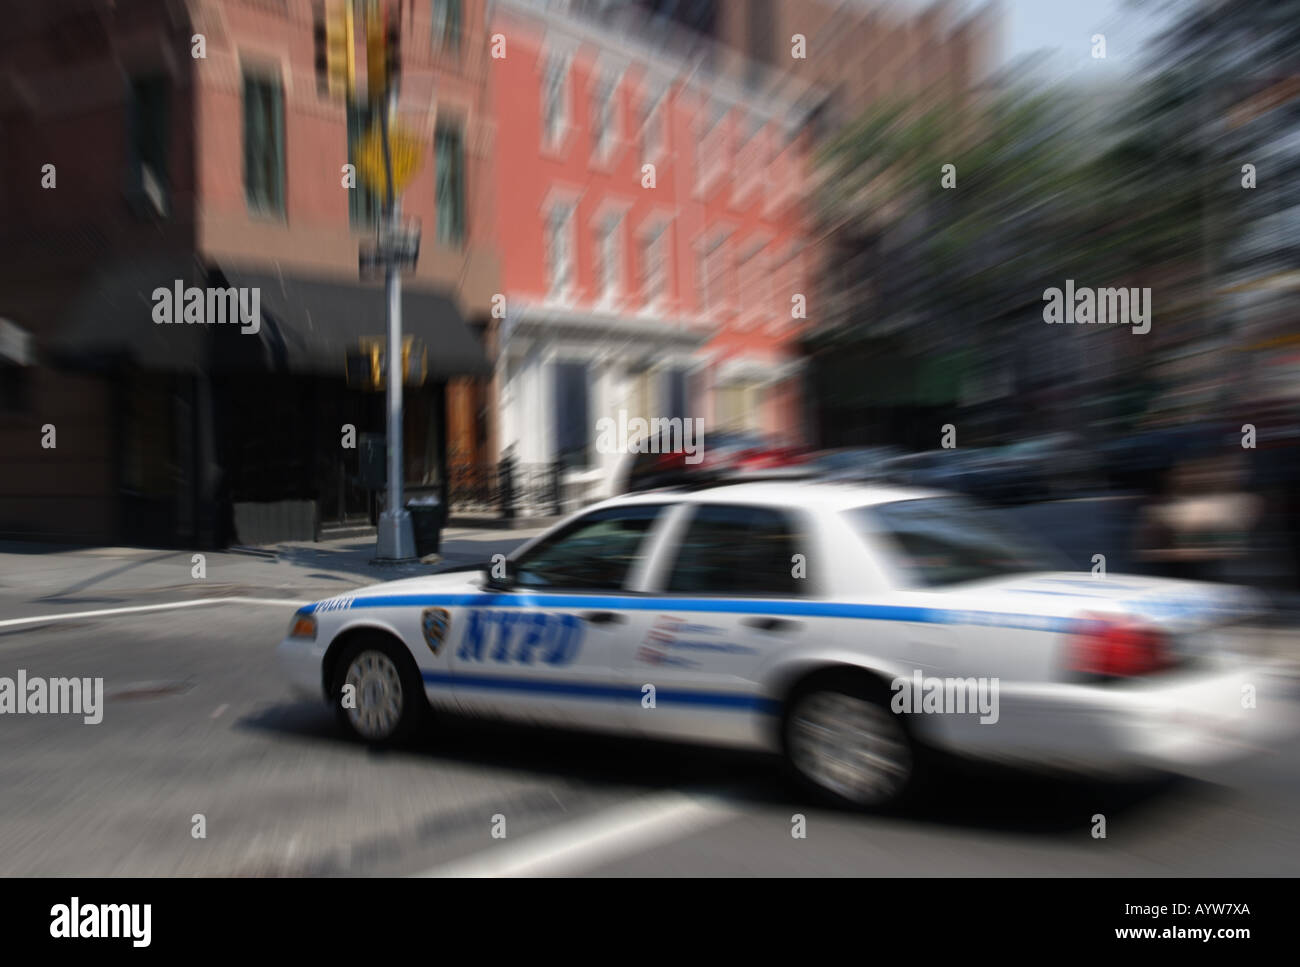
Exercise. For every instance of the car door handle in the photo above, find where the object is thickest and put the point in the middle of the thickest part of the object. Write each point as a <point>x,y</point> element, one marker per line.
<point>603,617</point>
<point>771,624</point>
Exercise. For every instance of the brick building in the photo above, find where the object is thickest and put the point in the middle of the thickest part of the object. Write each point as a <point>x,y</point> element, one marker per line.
<point>221,169</point>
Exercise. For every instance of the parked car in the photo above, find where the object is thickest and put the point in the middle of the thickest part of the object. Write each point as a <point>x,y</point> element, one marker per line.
<point>854,463</point>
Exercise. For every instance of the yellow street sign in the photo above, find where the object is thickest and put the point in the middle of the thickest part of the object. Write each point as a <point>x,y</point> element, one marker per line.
<point>406,149</point>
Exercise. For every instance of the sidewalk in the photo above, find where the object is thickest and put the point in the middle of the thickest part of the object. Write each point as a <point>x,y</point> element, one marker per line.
<point>60,575</point>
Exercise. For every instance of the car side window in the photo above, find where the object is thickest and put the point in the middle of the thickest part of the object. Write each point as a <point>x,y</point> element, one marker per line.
<point>594,553</point>
<point>734,549</point>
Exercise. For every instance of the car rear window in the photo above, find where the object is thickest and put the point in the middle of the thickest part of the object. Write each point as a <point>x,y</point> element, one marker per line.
<point>738,550</point>
<point>941,541</point>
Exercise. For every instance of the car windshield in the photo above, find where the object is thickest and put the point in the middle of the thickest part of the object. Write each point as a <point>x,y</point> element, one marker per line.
<point>941,541</point>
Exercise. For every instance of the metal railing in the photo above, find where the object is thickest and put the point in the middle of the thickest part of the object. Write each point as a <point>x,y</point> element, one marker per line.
<point>508,489</point>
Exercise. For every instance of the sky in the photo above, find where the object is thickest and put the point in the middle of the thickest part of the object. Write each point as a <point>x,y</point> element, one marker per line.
<point>1066,28</point>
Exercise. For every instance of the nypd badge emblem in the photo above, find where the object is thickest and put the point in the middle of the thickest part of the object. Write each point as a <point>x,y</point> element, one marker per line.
<point>435,623</point>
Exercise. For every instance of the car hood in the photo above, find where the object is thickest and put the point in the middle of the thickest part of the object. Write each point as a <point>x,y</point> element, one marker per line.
<point>455,582</point>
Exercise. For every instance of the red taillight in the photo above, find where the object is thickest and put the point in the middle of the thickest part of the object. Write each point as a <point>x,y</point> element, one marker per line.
<point>672,460</point>
<point>1112,646</point>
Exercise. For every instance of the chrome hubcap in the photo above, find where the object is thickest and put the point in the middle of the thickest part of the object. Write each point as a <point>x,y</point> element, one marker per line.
<point>378,690</point>
<point>851,746</point>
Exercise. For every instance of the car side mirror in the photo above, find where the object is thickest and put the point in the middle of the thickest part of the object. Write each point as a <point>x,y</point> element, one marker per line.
<point>501,576</point>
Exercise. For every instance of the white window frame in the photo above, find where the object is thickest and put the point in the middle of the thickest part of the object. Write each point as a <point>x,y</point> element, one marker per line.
<point>653,150</point>
<point>555,129</point>
<point>712,154</point>
<point>555,289</point>
<point>654,235</point>
<point>747,270</point>
<point>612,284</point>
<point>708,248</point>
<point>792,282</point>
<point>604,103</point>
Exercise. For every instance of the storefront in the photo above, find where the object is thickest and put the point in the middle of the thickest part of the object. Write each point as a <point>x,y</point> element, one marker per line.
<point>238,434</point>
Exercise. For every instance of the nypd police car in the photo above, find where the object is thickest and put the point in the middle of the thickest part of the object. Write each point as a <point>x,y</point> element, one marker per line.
<point>793,617</point>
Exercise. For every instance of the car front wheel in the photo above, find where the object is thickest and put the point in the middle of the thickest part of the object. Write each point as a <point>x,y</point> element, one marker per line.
<point>378,694</point>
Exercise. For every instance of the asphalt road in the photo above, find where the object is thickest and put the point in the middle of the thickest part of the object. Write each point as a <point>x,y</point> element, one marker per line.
<point>196,722</point>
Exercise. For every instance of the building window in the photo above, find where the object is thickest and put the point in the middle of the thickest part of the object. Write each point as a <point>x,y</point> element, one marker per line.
<point>602,118</point>
<point>609,246</point>
<point>734,407</point>
<point>555,107</point>
<point>446,25</point>
<point>654,264</point>
<point>652,140</point>
<point>450,151</point>
<point>712,275</point>
<point>365,203</point>
<point>749,291</point>
<point>264,144</point>
<point>571,417</point>
<point>559,248</point>
<point>675,393</point>
<point>702,278</point>
<point>147,125</point>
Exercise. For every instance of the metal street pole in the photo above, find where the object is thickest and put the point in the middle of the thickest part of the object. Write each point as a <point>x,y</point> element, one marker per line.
<point>396,535</point>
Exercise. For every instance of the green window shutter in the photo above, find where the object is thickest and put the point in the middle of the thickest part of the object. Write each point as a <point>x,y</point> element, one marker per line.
<point>449,160</point>
<point>453,24</point>
<point>277,108</point>
<point>251,111</point>
<point>264,145</point>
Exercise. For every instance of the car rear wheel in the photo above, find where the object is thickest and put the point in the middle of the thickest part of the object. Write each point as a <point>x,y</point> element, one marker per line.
<point>378,694</point>
<point>841,738</point>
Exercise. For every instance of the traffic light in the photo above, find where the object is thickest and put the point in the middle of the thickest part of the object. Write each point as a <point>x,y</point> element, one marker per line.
<point>367,369</point>
<point>365,365</point>
<point>335,53</point>
<point>393,50</point>
<point>383,48</point>
<point>415,361</point>
<point>376,73</point>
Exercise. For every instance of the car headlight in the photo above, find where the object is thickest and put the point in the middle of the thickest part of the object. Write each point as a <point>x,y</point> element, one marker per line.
<point>302,626</point>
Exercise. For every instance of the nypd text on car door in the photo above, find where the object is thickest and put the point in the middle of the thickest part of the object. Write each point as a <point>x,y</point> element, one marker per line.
<point>540,646</point>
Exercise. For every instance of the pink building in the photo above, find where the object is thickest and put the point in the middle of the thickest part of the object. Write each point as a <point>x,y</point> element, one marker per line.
<point>653,247</point>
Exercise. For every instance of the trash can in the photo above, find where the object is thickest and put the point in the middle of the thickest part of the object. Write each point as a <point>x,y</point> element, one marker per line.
<point>426,522</point>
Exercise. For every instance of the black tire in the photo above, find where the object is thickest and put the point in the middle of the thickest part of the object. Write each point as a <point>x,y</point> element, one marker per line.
<point>882,773</point>
<point>390,705</point>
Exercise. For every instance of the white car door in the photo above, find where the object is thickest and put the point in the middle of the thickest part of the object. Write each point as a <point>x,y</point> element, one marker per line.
<point>727,596</point>
<point>543,649</point>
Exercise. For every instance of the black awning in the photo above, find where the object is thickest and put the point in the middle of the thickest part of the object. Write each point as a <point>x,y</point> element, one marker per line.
<point>306,324</point>
<point>110,318</point>
<point>309,325</point>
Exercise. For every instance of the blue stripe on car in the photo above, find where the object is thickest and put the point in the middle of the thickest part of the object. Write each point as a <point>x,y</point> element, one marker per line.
<point>811,609</point>
<point>721,700</point>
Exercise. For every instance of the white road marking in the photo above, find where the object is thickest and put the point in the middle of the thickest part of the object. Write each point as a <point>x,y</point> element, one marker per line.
<point>136,609</point>
<point>630,828</point>
<point>220,709</point>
